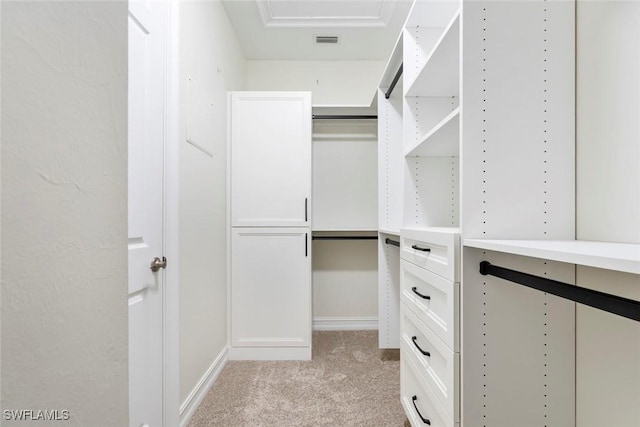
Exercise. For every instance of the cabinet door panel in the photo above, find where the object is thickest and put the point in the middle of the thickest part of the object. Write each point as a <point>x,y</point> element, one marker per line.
<point>270,145</point>
<point>271,294</point>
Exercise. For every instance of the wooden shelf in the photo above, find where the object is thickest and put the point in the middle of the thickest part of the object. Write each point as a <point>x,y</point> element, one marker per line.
<point>440,75</point>
<point>623,257</point>
<point>442,140</point>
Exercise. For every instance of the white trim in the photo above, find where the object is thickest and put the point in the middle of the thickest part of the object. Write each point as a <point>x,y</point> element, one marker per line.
<point>270,353</point>
<point>228,211</point>
<point>271,21</point>
<point>191,403</point>
<point>345,323</point>
<point>171,313</point>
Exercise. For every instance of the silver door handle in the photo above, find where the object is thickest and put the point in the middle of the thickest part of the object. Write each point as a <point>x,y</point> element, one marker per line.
<point>157,263</point>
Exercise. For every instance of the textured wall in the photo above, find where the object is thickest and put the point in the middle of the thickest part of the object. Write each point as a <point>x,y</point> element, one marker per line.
<point>211,55</point>
<point>64,210</point>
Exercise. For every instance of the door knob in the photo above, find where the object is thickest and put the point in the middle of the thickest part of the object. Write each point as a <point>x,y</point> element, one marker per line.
<point>157,263</point>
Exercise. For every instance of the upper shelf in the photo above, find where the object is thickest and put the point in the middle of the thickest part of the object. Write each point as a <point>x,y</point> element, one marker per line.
<point>440,75</point>
<point>623,257</point>
<point>442,140</point>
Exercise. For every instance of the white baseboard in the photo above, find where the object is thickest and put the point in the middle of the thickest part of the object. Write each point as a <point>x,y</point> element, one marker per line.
<point>270,353</point>
<point>191,403</point>
<point>345,323</point>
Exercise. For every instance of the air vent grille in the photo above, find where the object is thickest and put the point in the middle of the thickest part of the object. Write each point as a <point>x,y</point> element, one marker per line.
<point>327,39</point>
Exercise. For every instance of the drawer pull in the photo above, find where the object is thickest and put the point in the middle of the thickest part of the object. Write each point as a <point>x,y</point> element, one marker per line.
<point>426,353</point>
<point>424,420</point>
<point>418,248</point>
<point>415,291</point>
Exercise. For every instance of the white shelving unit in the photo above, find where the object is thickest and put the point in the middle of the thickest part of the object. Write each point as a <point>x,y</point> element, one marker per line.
<point>486,122</point>
<point>487,153</point>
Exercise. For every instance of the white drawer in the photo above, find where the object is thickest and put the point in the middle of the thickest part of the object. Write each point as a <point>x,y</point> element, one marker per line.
<point>419,402</point>
<point>437,250</point>
<point>439,365</point>
<point>434,300</point>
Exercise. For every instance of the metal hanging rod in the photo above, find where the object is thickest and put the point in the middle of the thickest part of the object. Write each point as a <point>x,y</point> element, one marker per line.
<point>393,83</point>
<point>388,241</point>
<point>343,117</point>
<point>611,303</point>
<point>345,237</point>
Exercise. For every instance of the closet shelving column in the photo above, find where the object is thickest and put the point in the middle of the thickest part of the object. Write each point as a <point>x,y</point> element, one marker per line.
<point>430,237</point>
<point>390,182</point>
<point>518,347</point>
<point>431,116</point>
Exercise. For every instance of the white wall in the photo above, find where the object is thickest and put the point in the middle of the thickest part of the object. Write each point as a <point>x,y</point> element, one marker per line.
<point>64,209</point>
<point>211,55</point>
<point>345,283</point>
<point>332,82</point>
<point>608,205</point>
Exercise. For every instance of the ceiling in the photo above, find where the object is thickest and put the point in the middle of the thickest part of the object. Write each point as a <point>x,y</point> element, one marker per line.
<point>287,29</point>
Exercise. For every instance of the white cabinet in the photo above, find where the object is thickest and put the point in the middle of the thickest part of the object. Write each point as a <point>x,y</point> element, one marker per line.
<point>271,293</point>
<point>270,151</point>
<point>270,215</point>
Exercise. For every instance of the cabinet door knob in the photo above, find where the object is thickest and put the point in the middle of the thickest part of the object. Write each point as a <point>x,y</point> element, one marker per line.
<point>157,264</point>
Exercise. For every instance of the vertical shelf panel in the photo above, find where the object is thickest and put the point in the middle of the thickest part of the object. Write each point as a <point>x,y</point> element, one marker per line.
<point>517,183</point>
<point>388,293</point>
<point>518,352</point>
<point>390,164</point>
<point>518,120</point>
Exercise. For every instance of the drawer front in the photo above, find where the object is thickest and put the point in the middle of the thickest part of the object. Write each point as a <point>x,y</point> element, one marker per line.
<point>434,300</point>
<point>419,402</point>
<point>438,252</point>
<point>438,365</point>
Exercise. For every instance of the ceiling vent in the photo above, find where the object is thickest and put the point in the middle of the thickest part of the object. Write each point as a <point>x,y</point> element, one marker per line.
<point>326,39</point>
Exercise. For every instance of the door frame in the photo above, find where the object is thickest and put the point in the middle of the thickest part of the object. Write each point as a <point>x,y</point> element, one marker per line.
<point>171,292</point>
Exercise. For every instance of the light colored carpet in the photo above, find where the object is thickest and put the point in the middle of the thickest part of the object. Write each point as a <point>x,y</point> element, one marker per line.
<point>349,382</point>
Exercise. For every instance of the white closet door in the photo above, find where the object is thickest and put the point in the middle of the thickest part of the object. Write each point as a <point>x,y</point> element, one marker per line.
<point>271,293</point>
<point>270,158</point>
